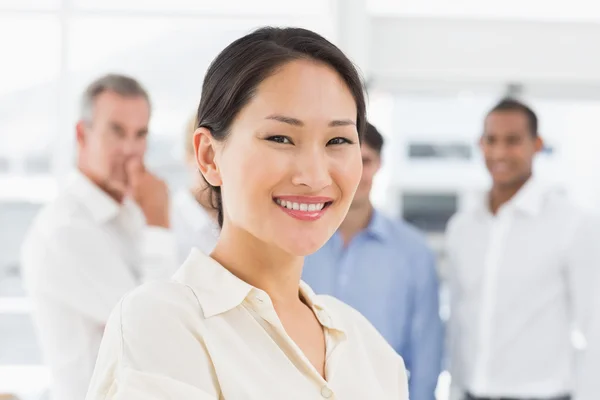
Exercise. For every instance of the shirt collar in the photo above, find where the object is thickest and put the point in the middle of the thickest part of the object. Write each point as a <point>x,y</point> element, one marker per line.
<point>529,199</point>
<point>377,226</point>
<point>327,317</point>
<point>219,291</point>
<point>101,206</point>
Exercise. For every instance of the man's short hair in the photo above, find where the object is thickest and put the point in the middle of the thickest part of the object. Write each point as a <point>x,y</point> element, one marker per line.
<point>373,138</point>
<point>120,84</point>
<point>510,104</point>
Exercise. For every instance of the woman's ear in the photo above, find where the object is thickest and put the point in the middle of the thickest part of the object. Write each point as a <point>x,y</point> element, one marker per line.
<point>205,150</point>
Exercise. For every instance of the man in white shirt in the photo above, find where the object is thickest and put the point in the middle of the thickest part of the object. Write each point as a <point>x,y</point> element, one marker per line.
<point>588,384</point>
<point>522,272</point>
<point>193,215</point>
<point>103,235</point>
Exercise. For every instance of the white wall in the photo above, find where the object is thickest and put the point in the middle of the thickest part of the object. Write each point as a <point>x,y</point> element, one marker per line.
<point>485,51</point>
<point>527,10</point>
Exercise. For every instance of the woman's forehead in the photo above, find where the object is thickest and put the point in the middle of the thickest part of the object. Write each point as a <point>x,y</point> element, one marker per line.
<point>304,90</point>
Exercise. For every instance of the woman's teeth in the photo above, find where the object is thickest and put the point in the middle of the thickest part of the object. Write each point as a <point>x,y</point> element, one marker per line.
<point>300,206</point>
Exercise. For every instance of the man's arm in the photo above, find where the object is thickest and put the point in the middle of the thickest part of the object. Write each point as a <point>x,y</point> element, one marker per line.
<point>76,266</point>
<point>450,277</point>
<point>583,270</point>
<point>425,347</point>
<point>583,267</point>
<point>587,385</point>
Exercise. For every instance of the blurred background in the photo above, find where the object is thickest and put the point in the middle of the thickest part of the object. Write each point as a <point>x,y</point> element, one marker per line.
<point>433,68</point>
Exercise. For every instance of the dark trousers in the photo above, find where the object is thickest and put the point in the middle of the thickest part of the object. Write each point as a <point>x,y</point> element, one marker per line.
<point>470,397</point>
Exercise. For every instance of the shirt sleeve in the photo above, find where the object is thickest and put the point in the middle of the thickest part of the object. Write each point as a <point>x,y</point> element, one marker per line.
<point>583,261</point>
<point>134,385</point>
<point>583,278</point>
<point>450,276</point>
<point>75,266</point>
<point>587,385</point>
<point>78,266</point>
<point>425,345</point>
<point>153,348</point>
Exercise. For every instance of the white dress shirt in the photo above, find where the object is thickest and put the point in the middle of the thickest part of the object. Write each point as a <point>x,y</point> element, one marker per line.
<point>84,252</point>
<point>588,382</point>
<point>519,281</point>
<point>208,335</point>
<point>192,225</point>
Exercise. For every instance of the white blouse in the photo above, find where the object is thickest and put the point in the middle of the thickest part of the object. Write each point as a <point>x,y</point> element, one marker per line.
<point>208,335</point>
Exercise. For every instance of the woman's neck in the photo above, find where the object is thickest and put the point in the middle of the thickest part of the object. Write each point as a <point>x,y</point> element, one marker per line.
<point>263,266</point>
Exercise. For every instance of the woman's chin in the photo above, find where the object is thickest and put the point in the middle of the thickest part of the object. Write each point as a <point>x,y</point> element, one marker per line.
<point>303,247</point>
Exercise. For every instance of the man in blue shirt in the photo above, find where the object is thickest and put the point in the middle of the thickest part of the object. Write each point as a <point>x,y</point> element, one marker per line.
<point>384,268</point>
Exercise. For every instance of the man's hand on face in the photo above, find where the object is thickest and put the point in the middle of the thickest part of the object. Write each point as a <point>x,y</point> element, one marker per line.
<point>149,192</point>
<point>116,184</point>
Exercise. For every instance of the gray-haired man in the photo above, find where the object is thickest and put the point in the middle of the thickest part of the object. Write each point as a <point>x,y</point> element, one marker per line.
<point>105,233</point>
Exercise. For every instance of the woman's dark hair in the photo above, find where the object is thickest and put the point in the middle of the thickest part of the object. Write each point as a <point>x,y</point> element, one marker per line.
<point>232,78</point>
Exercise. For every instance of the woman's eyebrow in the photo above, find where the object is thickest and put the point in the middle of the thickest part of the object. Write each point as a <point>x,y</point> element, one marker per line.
<point>296,122</point>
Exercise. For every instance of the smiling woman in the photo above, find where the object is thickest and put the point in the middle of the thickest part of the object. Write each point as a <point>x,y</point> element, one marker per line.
<point>305,143</point>
<point>278,141</point>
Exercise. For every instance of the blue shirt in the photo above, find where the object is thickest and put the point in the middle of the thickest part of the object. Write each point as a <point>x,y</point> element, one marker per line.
<point>387,272</point>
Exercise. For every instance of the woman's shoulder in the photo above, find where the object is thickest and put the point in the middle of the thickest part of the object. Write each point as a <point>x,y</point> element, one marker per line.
<point>160,299</point>
<point>154,339</point>
<point>156,313</point>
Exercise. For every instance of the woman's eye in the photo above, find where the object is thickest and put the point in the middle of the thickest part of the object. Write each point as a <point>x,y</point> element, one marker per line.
<point>280,139</point>
<point>339,140</point>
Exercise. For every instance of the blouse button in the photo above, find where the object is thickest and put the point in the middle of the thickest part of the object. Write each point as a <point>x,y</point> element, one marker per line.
<point>326,392</point>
